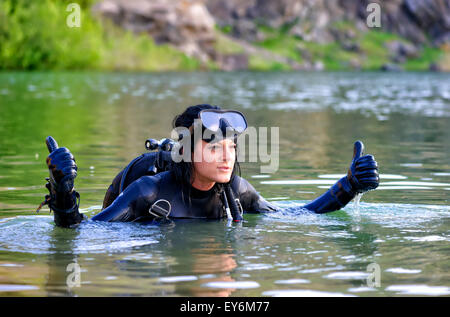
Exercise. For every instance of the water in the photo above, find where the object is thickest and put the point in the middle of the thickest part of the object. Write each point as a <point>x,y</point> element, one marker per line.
<point>402,227</point>
<point>356,200</point>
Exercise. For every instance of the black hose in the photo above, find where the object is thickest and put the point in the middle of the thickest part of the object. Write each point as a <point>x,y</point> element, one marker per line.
<point>125,172</point>
<point>232,203</point>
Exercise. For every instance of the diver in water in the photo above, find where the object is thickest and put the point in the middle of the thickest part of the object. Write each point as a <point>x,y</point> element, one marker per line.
<point>202,185</point>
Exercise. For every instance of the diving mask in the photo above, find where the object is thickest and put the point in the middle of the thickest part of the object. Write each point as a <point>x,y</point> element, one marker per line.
<point>215,120</point>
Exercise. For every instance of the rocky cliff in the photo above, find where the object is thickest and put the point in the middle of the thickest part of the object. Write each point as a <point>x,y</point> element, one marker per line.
<point>236,34</point>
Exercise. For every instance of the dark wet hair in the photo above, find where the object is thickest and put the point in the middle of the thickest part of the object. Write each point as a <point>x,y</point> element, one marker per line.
<point>183,170</point>
<point>186,119</point>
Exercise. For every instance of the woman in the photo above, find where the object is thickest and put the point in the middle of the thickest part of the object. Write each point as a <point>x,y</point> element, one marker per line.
<point>202,185</point>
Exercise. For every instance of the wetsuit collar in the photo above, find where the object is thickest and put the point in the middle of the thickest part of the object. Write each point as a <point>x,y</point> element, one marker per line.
<point>197,193</point>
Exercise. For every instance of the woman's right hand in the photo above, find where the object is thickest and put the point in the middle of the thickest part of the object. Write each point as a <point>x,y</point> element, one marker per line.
<point>63,169</point>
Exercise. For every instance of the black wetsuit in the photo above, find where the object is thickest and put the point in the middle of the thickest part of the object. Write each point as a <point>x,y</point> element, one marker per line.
<point>136,200</point>
<point>133,197</point>
<point>142,191</point>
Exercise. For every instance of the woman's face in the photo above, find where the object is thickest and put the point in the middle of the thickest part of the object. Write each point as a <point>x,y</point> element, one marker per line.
<point>214,162</point>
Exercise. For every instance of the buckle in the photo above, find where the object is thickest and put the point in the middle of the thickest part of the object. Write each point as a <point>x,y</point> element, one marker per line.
<point>160,209</point>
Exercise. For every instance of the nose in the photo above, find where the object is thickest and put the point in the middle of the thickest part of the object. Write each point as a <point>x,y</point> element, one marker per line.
<point>227,153</point>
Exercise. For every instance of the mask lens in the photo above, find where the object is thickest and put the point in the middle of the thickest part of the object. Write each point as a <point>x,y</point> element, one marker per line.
<point>236,120</point>
<point>211,120</point>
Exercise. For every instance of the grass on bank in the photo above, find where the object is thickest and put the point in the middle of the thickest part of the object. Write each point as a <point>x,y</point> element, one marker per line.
<point>34,36</point>
<point>226,45</point>
<point>429,55</point>
<point>371,54</point>
<point>259,63</point>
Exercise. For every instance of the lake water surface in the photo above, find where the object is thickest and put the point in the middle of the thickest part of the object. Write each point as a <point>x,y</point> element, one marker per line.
<point>401,230</point>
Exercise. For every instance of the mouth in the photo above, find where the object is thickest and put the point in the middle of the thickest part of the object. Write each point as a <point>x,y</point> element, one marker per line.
<point>224,168</point>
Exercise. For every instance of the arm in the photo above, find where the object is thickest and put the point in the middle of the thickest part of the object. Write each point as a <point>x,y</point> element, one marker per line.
<point>249,198</point>
<point>339,195</point>
<point>334,199</point>
<point>361,177</point>
<point>63,200</point>
<point>133,203</point>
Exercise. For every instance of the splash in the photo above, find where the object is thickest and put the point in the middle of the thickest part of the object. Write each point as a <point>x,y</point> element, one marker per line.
<point>356,204</point>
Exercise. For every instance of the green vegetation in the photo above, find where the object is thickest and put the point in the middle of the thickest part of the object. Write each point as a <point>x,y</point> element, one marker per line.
<point>224,29</point>
<point>34,35</point>
<point>373,45</point>
<point>429,55</point>
<point>280,42</point>
<point>259,63</point>
<point>225,45</point>
<point>369,49</point>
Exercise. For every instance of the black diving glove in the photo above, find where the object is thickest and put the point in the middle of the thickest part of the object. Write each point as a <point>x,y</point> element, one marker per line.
<point>63,170</point>
<point>361,177</point>
<point>63,199</point>
<point>363,172</point>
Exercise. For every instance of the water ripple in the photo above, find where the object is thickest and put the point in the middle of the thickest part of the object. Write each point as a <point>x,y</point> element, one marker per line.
<point>232,284</point>
<point>303,293</point>
<point>419,290</point>
<point>39,235</point>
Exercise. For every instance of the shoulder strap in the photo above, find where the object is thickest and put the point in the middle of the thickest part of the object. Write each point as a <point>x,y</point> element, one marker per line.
<point>146,164</point>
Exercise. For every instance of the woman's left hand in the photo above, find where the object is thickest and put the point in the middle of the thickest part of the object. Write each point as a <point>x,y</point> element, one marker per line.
<point>363,171</point>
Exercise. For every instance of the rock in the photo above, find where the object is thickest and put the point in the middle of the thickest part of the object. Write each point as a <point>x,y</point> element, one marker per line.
<point>416,19</point>
<point>247,30</point>
<point>400,51</point>
<point>297,33</point>
<point>109,9</point>
<point>355,64</point>
<point>350,46</point>
<point>304,52</point>
<point>435,67</point>
<point>305,18</point>
<point>442,39</point>
<point>185,24</point>
<point>233,62</point>
<point>313,20</point>
<point>189,25</point>
<point>408,50</point>
<point>432,16</point>
<point>398,59</point>
<point>391,68</point>
<point>319,66</point>
<point>342,35</point>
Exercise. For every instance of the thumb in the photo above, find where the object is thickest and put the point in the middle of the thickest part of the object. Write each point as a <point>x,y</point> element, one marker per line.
<point>358,150</point>
<point>51,144</point>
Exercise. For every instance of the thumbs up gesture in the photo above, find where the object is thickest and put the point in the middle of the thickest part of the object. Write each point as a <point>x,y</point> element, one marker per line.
<point>61,165</point>
<point>363,171</point>
<point>63,200</point>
